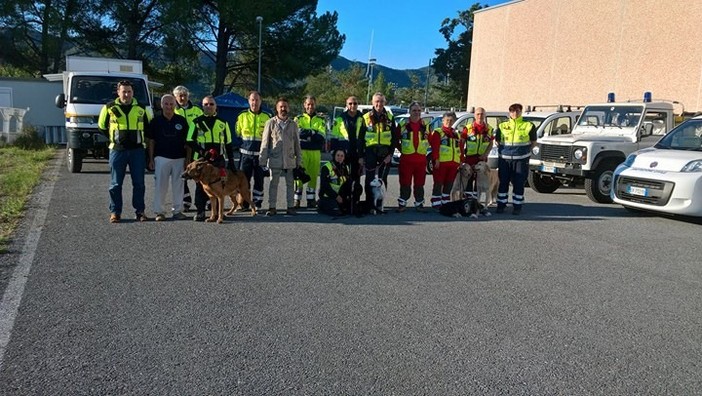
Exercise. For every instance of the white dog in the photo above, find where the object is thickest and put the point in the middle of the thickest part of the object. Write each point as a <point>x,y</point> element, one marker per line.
<point>487,183</point>
<point>379,189</point>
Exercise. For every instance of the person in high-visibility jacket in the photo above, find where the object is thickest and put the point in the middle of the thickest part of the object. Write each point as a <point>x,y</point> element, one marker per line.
<point>414,146</point>
<point>477,138</point>
<point>515,138</point>
<point>446,152</point>
<point>249,129</point>
<point>334,186</point>
<point>188,110</point>
<point>313,131</point>
<point>124,121</point>
<point>378,139</point>
<point>347,128</point>
<point>210,135</point>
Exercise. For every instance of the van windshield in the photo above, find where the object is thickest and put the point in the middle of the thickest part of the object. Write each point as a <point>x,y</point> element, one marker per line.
<point>102,89</point>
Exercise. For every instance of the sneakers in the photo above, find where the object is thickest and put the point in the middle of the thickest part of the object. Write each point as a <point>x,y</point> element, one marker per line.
<point>400,209</point>
<point>311,204</point>
<point>179,216</point>
<point>141,217</point>
<point>420,209</point>
<point>200,216</point>
<point>271,212</point>
<point>292,211</point>
<point>160,217</point>
<point>114,218</point>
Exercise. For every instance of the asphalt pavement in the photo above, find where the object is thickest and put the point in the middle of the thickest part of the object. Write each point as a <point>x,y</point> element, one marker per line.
<point>569,298</point>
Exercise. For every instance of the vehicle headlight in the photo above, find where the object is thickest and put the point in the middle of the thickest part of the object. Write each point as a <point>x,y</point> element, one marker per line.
<point>81,120</point>
<point>693,166</point>
<point>580,154</point>
<point>629,161</point>
<point>535,150</point>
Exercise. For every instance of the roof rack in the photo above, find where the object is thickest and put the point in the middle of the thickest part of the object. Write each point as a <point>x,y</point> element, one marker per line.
<point>558,107</point>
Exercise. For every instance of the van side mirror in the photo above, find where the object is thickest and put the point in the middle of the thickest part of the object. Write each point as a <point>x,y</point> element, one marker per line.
<point>60,101</point>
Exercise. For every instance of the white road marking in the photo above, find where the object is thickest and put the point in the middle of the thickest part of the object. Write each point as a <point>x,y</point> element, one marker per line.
<point>15,288</point>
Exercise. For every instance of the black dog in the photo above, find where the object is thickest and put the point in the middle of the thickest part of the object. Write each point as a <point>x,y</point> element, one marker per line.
<point>467,207</point>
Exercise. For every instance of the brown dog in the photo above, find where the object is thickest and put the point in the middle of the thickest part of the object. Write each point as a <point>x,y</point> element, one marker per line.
<point>460,183</point>
<point>487,182</point>
<point>235,186</point>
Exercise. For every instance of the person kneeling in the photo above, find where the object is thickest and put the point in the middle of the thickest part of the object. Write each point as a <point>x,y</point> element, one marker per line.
<point>335,190</point>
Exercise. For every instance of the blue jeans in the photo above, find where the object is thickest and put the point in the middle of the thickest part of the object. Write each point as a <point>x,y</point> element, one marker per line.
<point>119,159</point>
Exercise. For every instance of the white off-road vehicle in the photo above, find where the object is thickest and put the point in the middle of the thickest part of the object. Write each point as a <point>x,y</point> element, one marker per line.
<point>603,137</point>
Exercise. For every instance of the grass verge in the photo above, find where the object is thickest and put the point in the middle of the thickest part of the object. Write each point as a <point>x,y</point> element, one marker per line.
<point>20,172</point>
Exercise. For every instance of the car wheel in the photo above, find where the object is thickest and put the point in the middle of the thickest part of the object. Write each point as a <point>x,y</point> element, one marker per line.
<point>598,187</point>
<point>74,159</point>
<point>542,183</point>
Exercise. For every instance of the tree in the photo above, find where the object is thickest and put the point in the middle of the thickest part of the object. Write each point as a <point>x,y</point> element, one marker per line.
<point>453,61</point>
<point>36,32</point>
<point>333,87</point>
<point>295,42</point>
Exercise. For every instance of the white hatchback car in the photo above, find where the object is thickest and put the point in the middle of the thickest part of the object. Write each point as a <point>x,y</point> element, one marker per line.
<point>666,177</point>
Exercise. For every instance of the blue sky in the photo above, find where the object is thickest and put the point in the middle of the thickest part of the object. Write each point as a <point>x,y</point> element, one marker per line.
<point>405,33</point>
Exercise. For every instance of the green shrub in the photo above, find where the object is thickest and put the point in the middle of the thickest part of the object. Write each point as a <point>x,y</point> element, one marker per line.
<point>30,139</point>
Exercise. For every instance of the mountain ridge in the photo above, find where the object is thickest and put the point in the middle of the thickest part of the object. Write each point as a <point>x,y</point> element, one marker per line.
<point>400,77</point>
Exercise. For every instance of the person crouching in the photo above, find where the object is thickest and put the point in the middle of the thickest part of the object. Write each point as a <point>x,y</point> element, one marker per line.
<point>335,192</point>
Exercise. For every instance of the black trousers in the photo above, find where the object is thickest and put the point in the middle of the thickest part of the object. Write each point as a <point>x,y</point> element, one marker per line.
<point>375,165</point>
<point>249,164</point>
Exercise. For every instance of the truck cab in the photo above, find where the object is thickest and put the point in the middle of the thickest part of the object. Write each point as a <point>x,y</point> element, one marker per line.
<point>89,84</point>
<point>605,134</point>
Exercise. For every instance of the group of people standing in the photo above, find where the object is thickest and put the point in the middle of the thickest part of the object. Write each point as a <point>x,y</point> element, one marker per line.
<point>281,146</point>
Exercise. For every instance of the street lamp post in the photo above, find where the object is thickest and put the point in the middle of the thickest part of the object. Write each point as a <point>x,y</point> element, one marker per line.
<point>259,19</point>
<point>371,63</point>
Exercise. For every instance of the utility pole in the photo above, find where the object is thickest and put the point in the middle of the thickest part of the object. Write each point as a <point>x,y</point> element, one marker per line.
<point>426,88</point>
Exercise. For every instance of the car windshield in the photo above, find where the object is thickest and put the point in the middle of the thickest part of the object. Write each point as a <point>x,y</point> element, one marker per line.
<point>608,116</point>
<point>687,136</point>
<point>534,120</point>
<point>102,89</point>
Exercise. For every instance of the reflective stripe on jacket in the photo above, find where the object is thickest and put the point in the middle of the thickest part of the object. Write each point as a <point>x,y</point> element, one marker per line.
<point>450,149</point>
<point>335,181</point>
<point>515,142</point>
<point>378,134</point>
<point>313,131</point>
<point>477,144</point>
<point>125,131</point>
<point>249,127</point>
<point>407,140</point>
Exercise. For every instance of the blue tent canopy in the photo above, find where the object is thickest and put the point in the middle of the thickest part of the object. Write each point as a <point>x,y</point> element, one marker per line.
<point>229,105</point>
<point>230,99</point>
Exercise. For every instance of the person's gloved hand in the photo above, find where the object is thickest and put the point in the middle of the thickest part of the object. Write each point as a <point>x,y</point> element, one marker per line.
<point>212,154</point>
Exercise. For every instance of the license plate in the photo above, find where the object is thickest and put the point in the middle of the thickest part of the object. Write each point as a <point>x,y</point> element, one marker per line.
<point>638,191</point>
<point>548,169</point>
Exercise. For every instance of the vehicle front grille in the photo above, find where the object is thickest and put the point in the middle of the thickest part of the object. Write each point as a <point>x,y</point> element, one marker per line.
<point>553,153</point>
<point>658,192</point>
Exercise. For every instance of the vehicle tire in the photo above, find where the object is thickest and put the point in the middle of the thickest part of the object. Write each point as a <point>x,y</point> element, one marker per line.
<point>543,184</point>
<point>430,166</point>
<point>598,187</point>
<point>74,159</point>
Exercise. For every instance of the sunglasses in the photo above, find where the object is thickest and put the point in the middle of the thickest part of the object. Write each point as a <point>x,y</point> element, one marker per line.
<point>208,104</point>
<point>352,103</point>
